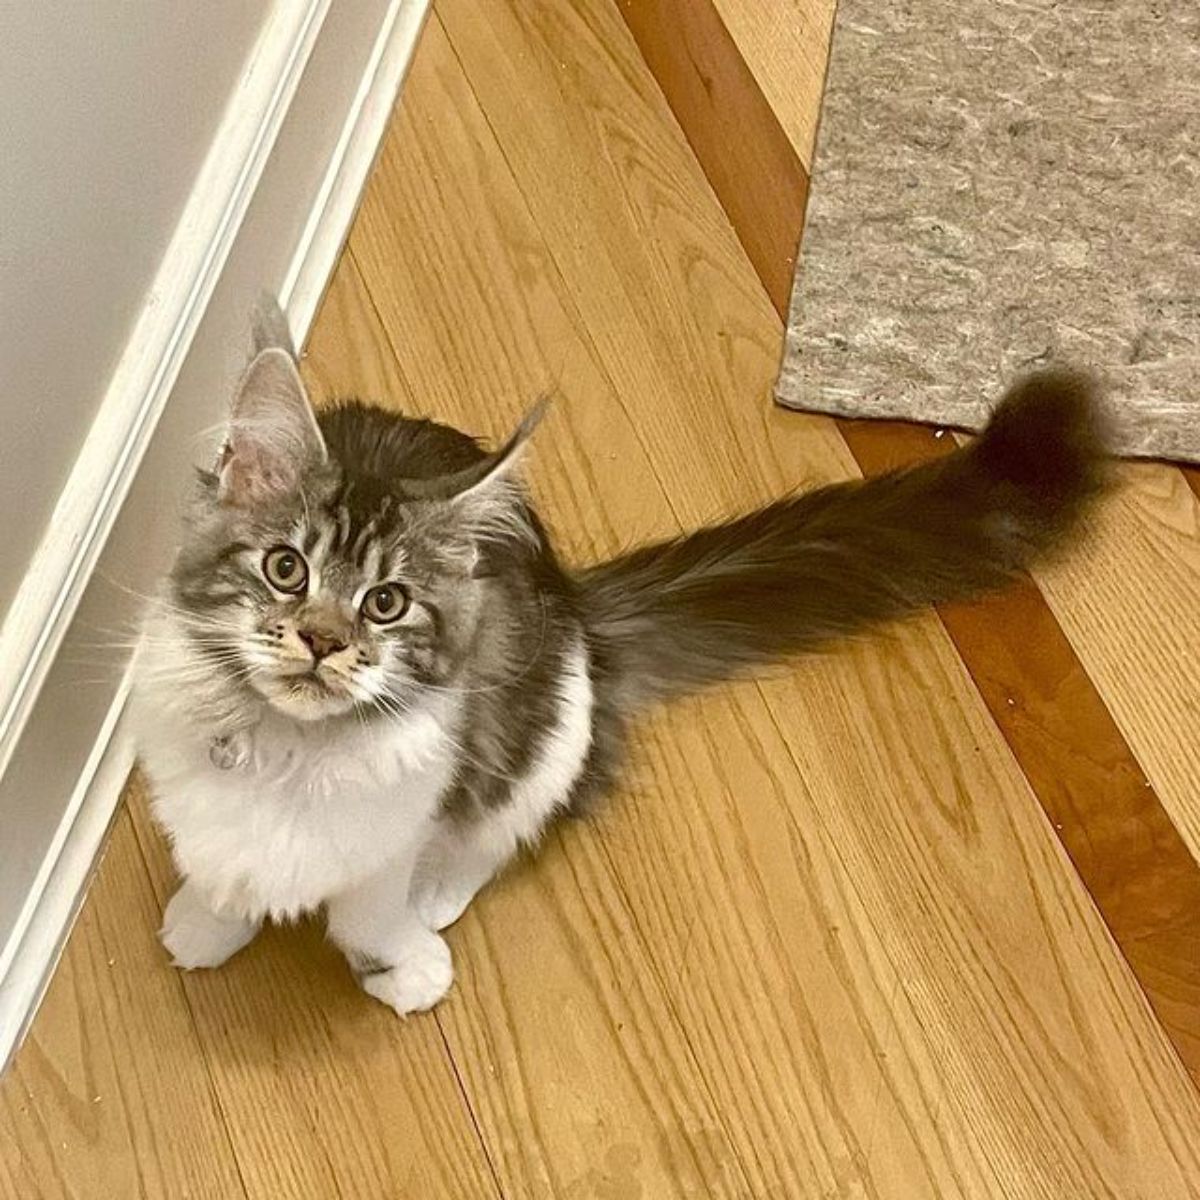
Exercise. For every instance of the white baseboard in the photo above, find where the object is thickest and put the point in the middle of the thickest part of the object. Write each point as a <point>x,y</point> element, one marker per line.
<point>271,209</point>
<point>59,891</point>
<point>335,206</point>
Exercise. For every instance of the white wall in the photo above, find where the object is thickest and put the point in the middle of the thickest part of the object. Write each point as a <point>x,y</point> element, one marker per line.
<point>107,108</point>
<point>161,163</point>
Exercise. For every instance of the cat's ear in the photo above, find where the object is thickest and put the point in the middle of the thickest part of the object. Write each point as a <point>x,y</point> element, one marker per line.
<point>273,435</point>
<point>269,326</point>
<point>485,502</point>
<point>490,474</point>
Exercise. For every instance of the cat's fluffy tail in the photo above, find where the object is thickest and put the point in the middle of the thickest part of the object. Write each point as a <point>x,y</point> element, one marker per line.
<point>672,617</point>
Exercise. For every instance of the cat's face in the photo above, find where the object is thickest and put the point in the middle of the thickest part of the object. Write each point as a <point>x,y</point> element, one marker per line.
<point>320,591</point>
<point>319,608</point>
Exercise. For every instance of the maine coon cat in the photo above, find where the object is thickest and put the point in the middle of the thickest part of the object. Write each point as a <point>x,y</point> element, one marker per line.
<point>370,680</point>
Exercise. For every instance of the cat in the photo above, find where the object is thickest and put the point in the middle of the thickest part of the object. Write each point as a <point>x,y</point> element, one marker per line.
<point>369,680</point>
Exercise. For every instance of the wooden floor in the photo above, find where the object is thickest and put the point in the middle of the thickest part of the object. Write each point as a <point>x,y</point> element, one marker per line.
<point>917,919</point>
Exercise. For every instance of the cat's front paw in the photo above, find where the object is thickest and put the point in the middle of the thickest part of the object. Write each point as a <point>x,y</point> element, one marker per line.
<point>196,936</point>
<point>419,978</point>
<point>439,900</point>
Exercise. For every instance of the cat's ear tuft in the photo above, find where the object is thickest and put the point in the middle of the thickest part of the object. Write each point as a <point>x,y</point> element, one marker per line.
<point>269,326</point>
<point>490,473</point>
<point>502,465</point>
<point>492,507</point>
<point>273,433</point>
<point>485,501</point>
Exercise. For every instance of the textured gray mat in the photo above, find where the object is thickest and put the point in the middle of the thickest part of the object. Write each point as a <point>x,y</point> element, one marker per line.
<point>1001,183</point>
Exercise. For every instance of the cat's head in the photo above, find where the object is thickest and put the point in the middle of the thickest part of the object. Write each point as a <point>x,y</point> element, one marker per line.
<point>345,564</point>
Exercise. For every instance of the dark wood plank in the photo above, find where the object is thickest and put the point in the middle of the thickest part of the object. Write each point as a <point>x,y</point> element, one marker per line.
<point>1135,863</point>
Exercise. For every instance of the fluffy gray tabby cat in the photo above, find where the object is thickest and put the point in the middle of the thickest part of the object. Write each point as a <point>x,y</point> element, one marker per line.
<point>370,680</point>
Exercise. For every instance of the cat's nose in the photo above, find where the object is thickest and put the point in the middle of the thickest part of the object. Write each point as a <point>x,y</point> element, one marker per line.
<point>322,645</point>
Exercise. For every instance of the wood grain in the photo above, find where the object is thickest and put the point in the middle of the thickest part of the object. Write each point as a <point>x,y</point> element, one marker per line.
<point>1130,846</point>
<point>110,1094</point>
<point>1114,826</point>
<point>1128,603</point>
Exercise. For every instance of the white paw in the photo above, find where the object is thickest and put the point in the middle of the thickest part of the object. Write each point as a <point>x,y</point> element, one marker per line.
<point>439,902</point>
<point>196,936</point>
<point>418,980</point>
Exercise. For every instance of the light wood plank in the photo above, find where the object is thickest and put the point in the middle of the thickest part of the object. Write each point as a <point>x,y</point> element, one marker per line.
<point>342,359</point>
<point>447,289</point>
<point>110,1094</point>
<point>578,1072</point>
<point>785,43</point>
<point>551,961</point>
<point>773,1025</point>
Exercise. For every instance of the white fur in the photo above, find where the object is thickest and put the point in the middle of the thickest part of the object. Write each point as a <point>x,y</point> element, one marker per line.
<point>458,860</point>
<point>318,807</point>
<point>293,815</point>
<point>197,936</point>
<point>401,962</point>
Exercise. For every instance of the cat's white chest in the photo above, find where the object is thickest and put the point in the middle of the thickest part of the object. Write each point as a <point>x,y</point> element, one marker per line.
<point>308,815</point>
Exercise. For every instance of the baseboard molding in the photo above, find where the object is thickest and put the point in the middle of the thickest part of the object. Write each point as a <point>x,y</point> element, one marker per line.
<point>335,207</point>
<point>271,208</point>
<point>66,870</point>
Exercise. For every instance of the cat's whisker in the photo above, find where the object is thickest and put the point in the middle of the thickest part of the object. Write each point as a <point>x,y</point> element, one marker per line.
<point>189,667</point>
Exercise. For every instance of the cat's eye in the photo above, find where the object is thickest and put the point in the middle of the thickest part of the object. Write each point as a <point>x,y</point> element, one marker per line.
<point>385,603</point>
<point>285,570</point>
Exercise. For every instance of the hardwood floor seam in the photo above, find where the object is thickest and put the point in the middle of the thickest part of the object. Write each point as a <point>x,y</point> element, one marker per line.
<point>470,1109</point>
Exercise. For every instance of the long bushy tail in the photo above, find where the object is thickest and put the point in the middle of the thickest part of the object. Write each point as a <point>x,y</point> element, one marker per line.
<point>799,573</point>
